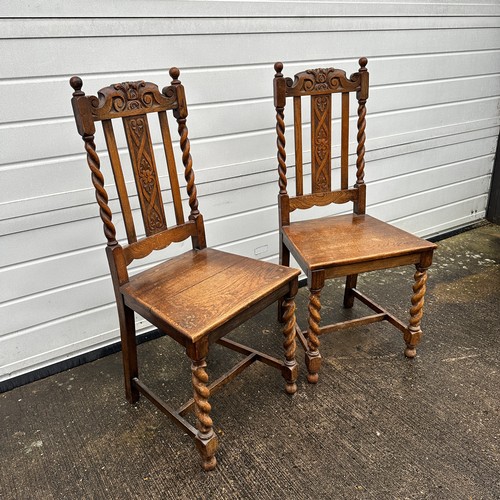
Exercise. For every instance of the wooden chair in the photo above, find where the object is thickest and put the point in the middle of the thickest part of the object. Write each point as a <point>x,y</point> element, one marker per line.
<point>341,245</point>
<point>197,297</point>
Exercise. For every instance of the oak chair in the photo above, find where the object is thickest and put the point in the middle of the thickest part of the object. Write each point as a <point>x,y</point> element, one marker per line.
<point>196,297</point>
<point>338,245</point>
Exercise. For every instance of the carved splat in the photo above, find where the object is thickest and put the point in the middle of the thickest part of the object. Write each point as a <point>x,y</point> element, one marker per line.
<point>321,163</point>
<point>145,173</point>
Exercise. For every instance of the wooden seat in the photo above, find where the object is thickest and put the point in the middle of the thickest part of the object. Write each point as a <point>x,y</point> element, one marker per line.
<point>222,285</point>
<point>348,240</point>
<point>196,297</point>
<point>346,244</point>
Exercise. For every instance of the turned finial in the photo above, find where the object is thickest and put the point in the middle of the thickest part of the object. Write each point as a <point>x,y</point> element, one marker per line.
<point>278,67</point>
<point>174,74</point>
<point>77,84</point>
<point>363,61</point>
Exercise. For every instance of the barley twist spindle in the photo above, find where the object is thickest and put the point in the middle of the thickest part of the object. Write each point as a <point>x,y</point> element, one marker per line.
<point>180,114</point>
<point>201,393</point>
<point>361,138</point>
<point>313,358</point>
<point>100,193</point>
<point>280,131</point>
<point>202,409</point>
<point>86,129</point>
<point>412,337</point>
<point>289,329</point>
<point>417,300</point>
<point>188,166</point>
<point>314,308</point>
<point>290,345</point>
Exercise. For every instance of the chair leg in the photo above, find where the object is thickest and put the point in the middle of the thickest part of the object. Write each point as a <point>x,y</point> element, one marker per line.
<point>284,261</point>
<point>129,352</point>
<point>206,440</point>
<point>414,333</point>
<point>313,357</point>
<point>290,369</point>
<point>350,283</point>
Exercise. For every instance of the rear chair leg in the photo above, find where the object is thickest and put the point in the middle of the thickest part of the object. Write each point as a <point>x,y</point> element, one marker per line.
<point>313,357</point>
<point>284,261</point>
<point>350,283</point>
<point>129,352</point>
<point>206,440</point>
<point>290,368</point>
<point>414,333</point>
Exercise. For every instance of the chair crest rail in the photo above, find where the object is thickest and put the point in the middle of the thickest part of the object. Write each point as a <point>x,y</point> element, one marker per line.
<point>131,99</point>
<point>322,81</point>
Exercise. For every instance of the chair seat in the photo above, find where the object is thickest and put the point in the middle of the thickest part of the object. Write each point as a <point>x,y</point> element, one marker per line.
<point>222,284</point>
<point>349,239</point>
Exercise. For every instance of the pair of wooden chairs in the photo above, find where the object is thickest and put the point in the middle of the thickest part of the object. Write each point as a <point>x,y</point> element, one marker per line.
<point>201,295</point>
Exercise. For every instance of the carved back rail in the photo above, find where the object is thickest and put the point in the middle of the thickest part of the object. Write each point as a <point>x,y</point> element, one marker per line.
<point>132,102</point>
<point>319,84</point>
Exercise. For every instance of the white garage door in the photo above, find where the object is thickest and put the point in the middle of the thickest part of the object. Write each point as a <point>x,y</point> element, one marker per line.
<point>432,131</point>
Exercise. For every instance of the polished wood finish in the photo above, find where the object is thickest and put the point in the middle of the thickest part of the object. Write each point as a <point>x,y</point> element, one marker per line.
<point>221,285</point>
<point>352,239</point>
<point>344,245</point>
<point>197,297</point>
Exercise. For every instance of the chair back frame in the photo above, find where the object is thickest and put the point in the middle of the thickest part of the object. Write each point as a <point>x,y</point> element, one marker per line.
<point>132,102</point>
<point>320,84</point>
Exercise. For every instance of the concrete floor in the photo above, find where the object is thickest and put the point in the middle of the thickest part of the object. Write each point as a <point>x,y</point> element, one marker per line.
<point>376,426</point>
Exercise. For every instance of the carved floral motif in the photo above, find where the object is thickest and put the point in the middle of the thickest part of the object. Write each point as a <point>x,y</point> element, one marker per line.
<point>319,80</point>
<point>130,98</point>
<point>322,80</point>
<point>322,147</point>
<point>322,103</point>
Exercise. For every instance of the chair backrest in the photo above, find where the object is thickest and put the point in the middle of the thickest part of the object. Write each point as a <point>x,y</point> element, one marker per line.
<point>320,84</point>
<point>132,102</point>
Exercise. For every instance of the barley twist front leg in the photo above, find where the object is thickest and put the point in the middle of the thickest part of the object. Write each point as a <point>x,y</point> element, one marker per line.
<point>290,370</point>
<point>313,357</point>
<point>414,333</point>
<point>206,440</point>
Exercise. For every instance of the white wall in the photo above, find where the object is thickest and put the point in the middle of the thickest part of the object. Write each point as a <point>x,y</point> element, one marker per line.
<point>433,121</point>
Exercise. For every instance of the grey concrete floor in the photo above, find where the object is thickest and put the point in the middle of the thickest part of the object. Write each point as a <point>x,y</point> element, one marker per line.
<point>376,426</point>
